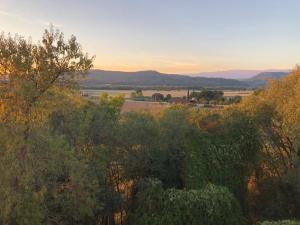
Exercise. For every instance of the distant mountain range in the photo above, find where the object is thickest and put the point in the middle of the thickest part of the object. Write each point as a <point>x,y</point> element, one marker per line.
<point>268,75</point>
<point>103,79</point>
<point>261,79</point>
<point>235,74</point>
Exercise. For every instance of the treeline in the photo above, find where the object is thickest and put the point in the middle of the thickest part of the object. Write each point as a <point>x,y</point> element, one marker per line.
<point>66,160</point>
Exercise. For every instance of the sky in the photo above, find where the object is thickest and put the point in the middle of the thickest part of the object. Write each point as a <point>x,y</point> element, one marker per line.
<point>173,36</point>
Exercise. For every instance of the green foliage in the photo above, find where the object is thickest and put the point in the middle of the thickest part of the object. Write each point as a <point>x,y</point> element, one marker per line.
<point>207,95</point>
<point>279,198</point>
<point>139,153</point>
<point>226,155</point>
<point>137,94</point>
<point>53,185</point>
<point>179,139</point>
<point>283,222</point>
<point>31,71</point>
<point>275,195</point>
<point>210,205</point>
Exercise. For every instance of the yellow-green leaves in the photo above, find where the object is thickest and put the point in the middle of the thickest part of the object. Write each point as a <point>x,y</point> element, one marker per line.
<point>29,71</point>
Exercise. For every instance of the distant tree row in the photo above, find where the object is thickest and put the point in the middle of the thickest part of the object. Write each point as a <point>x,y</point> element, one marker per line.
<point>208,96</point>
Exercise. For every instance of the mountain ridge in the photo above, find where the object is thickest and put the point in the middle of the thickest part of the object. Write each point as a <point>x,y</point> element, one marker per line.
<point>151,78</point>
<point>235,74</point>
<point>154,78</point>
<point>262,79</point>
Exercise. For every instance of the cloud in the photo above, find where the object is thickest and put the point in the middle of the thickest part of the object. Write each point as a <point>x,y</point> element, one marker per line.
<point>28,20</point>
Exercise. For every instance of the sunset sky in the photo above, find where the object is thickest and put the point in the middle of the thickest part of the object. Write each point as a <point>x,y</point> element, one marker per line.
<point>175,36</point>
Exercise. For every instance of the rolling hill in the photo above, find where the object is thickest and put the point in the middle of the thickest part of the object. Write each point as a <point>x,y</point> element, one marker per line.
<point>229,74</point>
<point>261,79</point>
<point>269,75</point>
<point>100,78</point>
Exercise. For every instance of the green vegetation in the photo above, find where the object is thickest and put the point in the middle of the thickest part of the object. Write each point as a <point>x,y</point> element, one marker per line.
<point>67,160</point>
<point>137,94</point>
<point>209,205</point>
<point>283,222</point>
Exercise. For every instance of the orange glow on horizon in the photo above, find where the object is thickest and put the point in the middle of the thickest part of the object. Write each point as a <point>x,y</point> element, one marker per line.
<point>185,70</point>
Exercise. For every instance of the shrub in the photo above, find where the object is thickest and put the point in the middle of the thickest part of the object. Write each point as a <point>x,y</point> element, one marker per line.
<point>282,222</point>
<point>210,205</point>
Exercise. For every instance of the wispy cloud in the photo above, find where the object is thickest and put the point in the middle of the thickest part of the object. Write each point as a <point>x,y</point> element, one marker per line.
<point>28,20</point>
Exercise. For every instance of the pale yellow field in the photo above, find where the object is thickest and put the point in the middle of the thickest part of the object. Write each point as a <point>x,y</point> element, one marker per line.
<point>137,106</point>
<point>174,93</point>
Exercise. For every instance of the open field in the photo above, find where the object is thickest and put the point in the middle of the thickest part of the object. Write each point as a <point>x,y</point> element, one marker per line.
<point>174,93</point>
<point>136,106</point>
<point>153,107</point>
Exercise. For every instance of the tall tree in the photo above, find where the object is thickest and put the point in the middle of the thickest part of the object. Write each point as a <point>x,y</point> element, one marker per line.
<point>30,71</point>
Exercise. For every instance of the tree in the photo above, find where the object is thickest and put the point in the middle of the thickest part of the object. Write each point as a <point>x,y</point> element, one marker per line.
<point>276,113</point>
<point>168,97</point>
<point>137,94</point>
<point>282,222</point>
<point>139,138</point>
<point>158,97</point>
<point>56,187</point>
<point>49,181</point>
<point>179,138</point>
<point>209,205</point>
<point>235,99</point>
<point>226,153</point>
<point>91,130</point>
<point>207,95</point>
<point>31,71</point>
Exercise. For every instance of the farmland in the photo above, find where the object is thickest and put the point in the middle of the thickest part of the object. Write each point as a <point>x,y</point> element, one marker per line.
<point>149,106</point>
<point>149,93</point>
<point>152,107</point>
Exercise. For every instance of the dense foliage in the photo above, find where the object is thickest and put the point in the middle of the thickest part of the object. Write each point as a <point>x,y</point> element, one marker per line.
<point>283,222</point>
<point>209,205</point>
<point>68,160</point>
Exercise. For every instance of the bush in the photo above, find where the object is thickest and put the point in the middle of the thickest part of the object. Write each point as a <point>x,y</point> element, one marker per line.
<point>282,222</point>
<point>210,205</point>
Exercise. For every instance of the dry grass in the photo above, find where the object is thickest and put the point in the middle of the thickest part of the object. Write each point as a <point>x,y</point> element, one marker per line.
<point>137,106</point>
<point>153,107</point>
<point>174,93</point>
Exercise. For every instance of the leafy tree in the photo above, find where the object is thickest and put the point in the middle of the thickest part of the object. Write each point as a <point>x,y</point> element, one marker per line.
<point>235,99</point>
<point>207,95</point>
<point>29,71</point>
<point>139,145</point>
<point>179,138</point>
<point>210,205</point>
<point>81,129</point>
<point>275,112</point>
<point>137,94</point>
<point>168,97</point>
<point>283,222</point>
<point>226,154</point>
<point>49,181</point>
<point>158,97</point>
<point>56,186</point>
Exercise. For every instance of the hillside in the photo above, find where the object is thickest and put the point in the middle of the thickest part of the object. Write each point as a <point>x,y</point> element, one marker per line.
<point>229,74</point>
<point>261,79</point>
<point>238,74</point>
<point>100,78</point>
<point>269,75</point>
